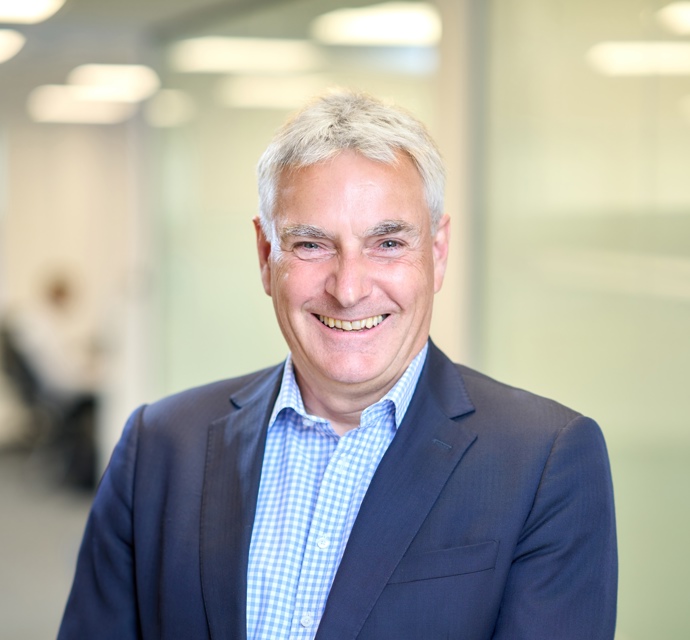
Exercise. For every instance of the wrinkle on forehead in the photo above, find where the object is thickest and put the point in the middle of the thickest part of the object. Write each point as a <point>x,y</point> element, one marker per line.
<point>353,195</point>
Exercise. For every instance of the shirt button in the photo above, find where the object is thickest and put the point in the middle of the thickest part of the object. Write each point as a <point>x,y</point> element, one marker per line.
<point>322,542</point>
<point>307,620</point>
<point>307,423</point>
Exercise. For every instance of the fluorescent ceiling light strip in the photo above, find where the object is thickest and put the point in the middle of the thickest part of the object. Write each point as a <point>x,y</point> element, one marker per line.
<point>114,82</point>
<point>676,17</point>
<point>64,103</point>
<point>11,43</point>
<point>641,58</point>
<point>28,11</point>
<point>387,24</point>
<point>216,54</point>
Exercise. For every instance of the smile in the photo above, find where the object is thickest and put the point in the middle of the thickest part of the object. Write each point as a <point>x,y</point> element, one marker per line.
<point>354,325</point>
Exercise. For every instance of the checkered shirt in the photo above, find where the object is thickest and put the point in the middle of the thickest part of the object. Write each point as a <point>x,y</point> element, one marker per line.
<point>312,485</point>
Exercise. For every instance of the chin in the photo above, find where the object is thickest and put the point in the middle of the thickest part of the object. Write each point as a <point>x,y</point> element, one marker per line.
<point>353,372</point>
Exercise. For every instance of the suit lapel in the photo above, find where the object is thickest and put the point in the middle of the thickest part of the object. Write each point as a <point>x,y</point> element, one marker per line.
<point>231,481</point>
<point>425,451</point>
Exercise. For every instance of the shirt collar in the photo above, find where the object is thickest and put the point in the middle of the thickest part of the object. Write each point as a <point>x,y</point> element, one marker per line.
<point>400,395</point>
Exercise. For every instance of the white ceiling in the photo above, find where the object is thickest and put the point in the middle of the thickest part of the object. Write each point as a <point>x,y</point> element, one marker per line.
<point>129,31</point>
<point>140,14</point>
<point>107,31</point>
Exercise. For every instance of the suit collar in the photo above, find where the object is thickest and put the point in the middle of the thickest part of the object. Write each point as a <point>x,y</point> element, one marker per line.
<point>233,470</point>
<point>427,448</point>
<point>255,387</point>
<point>444,382</point>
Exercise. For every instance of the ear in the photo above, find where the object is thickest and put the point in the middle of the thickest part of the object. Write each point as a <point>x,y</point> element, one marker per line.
<point>263,247</point>
<point>440,242</point>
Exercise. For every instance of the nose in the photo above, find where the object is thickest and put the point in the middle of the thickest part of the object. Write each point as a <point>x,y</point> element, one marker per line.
<point>350,281</point>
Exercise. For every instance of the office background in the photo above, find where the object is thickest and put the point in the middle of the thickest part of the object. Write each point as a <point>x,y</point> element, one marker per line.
<point>565,125</point>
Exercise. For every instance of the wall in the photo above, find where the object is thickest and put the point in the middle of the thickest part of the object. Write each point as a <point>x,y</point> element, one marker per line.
<point>73,203</point>
<point>587,267</point>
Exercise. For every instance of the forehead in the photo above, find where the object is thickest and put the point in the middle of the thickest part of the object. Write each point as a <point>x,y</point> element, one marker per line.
<point>351,185</point>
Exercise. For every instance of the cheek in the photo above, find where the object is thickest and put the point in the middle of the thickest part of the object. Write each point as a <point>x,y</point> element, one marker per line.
<point>296,282</point>
<point>412,278</point>
<point>280,273</point>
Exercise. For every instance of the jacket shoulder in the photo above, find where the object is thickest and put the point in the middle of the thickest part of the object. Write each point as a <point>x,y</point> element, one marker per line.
<point>482,387</point>
<point>212,401</point>
<point>457,386</point>
<point>513,414</point>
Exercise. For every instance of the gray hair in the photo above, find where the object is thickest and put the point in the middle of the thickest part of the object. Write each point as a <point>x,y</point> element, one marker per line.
<point>340,120</point>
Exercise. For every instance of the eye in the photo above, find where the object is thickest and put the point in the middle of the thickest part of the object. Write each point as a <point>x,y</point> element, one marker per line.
<point>308,246</point>
<point>309,250</point>
<point>388,248</point>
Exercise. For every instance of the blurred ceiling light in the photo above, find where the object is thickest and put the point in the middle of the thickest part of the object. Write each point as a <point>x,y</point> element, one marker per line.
<point>169,108</point>
<point>641,58</point>
<point>676,17</point>
<point>11,43</point>
<point>28,11</point>
<point>65,103</point>
<point>216,54</point>
<point>114,82</point>
<point>269,92</point>
<point>386,24</point>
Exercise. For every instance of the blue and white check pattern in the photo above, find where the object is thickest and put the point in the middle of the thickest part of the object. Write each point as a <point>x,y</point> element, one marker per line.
<point>312,485</point>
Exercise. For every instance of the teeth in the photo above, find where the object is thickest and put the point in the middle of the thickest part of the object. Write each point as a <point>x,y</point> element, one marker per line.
<point>351,325</point>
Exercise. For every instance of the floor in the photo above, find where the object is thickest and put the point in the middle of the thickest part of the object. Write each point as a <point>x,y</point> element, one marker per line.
<point>41,525</point>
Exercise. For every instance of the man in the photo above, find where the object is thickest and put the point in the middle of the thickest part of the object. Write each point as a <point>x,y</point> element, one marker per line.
<point>368,487</point>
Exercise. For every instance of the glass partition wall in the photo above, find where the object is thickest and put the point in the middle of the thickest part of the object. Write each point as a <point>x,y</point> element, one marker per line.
<point>586,292</point>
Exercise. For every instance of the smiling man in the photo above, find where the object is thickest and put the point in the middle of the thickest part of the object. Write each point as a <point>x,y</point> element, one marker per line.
<point>352,263</point>
<point>367,487</point>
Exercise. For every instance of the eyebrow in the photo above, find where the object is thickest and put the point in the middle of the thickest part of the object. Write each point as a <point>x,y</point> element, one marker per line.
<point>383,228</point>
<point>303,231</point>
<point>386,227</point>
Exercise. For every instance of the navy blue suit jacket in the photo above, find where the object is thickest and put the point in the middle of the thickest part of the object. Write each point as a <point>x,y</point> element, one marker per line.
<point>490,516</point>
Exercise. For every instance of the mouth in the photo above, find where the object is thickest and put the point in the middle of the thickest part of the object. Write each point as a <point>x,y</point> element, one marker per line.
<point>352,325</point>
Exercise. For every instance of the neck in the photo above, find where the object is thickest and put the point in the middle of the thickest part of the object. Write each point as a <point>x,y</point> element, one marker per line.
<point>339,403</point>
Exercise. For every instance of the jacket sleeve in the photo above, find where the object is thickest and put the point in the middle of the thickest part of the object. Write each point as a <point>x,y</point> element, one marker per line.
<point>103,603</point>
<point>563,578</point>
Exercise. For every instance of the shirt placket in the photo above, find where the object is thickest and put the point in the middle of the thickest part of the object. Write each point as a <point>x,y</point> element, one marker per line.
<point>324,540</point>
